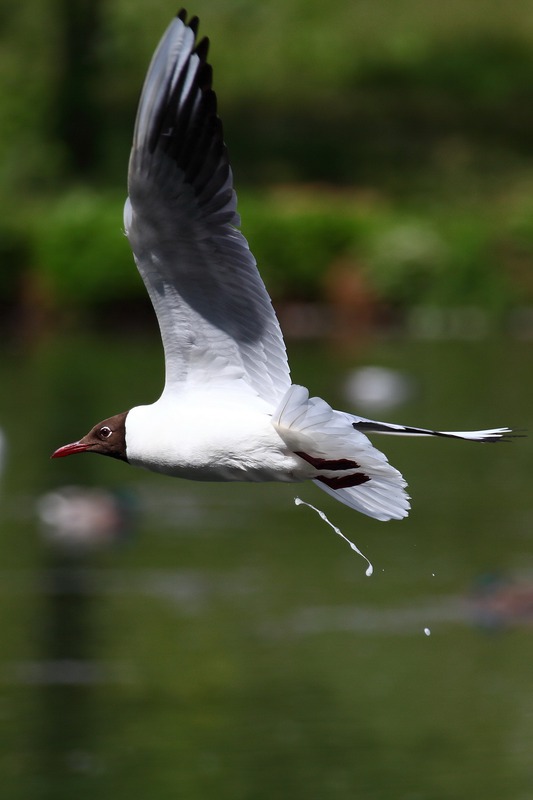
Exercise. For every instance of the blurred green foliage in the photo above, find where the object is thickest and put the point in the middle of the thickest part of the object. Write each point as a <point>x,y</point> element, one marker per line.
<point>407,258</point>
<point>424,109</point>
<point>81,248</point>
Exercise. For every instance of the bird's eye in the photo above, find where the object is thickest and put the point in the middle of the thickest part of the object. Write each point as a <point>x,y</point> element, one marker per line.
<point>105,432</point>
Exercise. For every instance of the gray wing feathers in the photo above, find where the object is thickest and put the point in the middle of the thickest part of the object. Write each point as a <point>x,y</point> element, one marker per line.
<point>215,315</point>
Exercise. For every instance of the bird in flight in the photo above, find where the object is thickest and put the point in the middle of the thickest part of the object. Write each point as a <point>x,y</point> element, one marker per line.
<point>228,411</point>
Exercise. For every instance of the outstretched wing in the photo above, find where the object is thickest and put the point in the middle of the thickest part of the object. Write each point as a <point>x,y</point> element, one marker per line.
<point>216,318</point>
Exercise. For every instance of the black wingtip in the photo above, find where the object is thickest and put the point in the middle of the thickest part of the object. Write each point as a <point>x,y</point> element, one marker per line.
<point>202,49</point>
<point>193,23</point>
<point>205,82</point>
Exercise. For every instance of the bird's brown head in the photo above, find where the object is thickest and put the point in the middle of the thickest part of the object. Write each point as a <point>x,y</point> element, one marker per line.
<point>107,438</point>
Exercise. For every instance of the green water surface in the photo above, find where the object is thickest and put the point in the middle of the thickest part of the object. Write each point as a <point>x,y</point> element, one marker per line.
<point>230,646</point>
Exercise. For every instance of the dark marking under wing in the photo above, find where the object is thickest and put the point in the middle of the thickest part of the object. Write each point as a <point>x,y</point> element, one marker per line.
<point>344,481</point>
<point>327,463</point>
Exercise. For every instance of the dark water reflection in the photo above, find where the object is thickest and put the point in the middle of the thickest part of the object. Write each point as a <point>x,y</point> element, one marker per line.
<point>224,643</point>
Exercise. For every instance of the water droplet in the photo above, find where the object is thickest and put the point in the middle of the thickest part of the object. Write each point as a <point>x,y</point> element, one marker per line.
<point>370,568</point>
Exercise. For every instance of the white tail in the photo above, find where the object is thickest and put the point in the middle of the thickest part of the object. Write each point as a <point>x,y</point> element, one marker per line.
<point>489,435</point>
<point>347,465</point>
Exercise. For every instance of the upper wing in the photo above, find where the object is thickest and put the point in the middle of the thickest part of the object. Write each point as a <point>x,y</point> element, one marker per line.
<point>216,318</point>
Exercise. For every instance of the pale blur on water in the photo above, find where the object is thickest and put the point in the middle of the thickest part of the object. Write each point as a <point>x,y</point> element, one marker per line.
<point>228,644</point>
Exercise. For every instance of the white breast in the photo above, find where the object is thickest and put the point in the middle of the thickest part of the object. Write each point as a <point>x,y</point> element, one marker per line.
<point>204,438</point>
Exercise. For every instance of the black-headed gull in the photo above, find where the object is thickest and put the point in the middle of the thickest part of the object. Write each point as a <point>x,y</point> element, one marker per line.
<point>228,411</point>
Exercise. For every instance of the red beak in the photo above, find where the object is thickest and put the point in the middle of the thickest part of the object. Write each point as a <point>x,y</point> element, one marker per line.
<point>70,449</point>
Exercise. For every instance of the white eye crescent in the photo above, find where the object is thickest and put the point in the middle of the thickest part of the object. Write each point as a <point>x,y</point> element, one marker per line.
<point>105,432</point>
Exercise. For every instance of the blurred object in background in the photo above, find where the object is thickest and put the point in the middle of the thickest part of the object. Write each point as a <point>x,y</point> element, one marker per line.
<point>354,304</point>
<point>80,519</point>
<point>77,523</point>
<point>3,451</point>
<point>377,388</point>
<point>466,323</point>
<point>498,601</point>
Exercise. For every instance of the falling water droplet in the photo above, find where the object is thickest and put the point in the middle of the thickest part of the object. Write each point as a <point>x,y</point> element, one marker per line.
<point>370,568</point>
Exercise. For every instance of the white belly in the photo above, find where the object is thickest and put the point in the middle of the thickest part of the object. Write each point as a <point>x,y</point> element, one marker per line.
<point>229,441</point>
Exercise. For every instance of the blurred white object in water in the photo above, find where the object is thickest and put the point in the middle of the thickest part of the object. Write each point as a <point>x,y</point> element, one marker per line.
<point>378,387</point>
<point>76,517</point>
